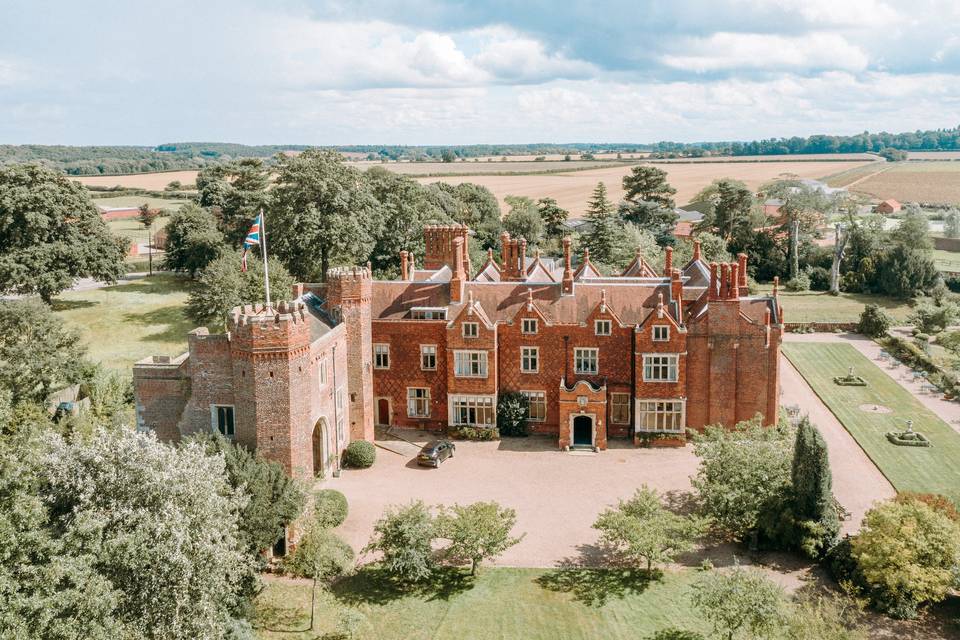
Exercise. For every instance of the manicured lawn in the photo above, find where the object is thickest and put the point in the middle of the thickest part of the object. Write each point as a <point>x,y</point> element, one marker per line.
<point>819,306</point>
<point>126,322</point>
<point>131,228</point>
<point>933,469</point>
<point>533,604</point>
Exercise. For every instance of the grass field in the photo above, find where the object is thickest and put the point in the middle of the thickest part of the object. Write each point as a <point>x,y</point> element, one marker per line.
<point>818,306</point>
<point>123,323</point>
<point>131,228</point>
<point>483,167</point>
<point>925,469</point>
<point>532,604</point>
<point>915,182</point>
<point>149,181</point>
<point>136,201</point>
<point>946,260</point>
<point>573,190</point>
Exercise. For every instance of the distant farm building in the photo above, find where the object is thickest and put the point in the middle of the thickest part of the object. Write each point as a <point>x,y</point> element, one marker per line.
<point>118,213</point>
<point>888,206</point>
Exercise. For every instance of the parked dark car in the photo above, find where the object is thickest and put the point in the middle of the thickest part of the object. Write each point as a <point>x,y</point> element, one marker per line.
<point>433,453</point>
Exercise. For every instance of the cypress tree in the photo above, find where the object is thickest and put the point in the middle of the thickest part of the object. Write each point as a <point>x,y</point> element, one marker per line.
<point>812,481</point>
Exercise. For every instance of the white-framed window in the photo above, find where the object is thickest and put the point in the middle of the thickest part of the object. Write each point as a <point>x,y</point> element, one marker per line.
<point>381,356</point>
<point>428,357</point>
<point>428,313</point>
<point>602,327</point>
<point>585,360</point>
<point>529,326</point>
<point>473,410</point>
<point>470,364</point>
<point>620,408</point>
<point>339,400</point>
<point>340,424</point>
<point>221,419</point>
<point>529,359</point>
<point>471,329</point>
<point>536,405</point>
<point>323,370</point>
<point>660,415</point>
<point>660,367</point>
<point>661,333</point>
<point>418,402</point>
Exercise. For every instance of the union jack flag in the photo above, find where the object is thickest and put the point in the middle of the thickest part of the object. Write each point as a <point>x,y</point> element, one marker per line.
<point>253,238</point>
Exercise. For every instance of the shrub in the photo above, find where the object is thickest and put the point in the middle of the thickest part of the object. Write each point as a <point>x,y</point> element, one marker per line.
<point>819,279</point>
<point>320,554</point>
<point>512,410</point>
<point>404,535</point>
<point>359,454</point>
<point>481,434</point>
<point>874,321</point>
<point>329,508</point>
<point>930,318</point>
<point>800,283</point>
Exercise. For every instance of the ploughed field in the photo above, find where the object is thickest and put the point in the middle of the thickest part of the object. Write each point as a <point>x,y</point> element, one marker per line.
<point>149,181</point>
<point>934,182</point>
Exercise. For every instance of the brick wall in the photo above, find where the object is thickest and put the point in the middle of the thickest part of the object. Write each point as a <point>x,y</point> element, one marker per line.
<point>161,389</point>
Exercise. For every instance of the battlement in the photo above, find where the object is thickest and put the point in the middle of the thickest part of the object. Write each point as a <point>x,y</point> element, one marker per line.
<point>440,247</point>
<point>258,328</point>
<point>348,284</point>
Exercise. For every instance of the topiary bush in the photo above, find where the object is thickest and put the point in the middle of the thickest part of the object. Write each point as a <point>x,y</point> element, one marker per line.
<point>874,321</point>
<point>359,454</point>
<point>329,508</point>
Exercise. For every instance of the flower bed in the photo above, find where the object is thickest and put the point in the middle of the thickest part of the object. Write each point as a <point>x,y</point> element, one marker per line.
<point>908,439</point>
<point>659,440</point>
<point>849,381</point>
<point>474,433</point>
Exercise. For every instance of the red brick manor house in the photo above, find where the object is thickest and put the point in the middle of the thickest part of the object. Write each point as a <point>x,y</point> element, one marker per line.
<point>597,356</point>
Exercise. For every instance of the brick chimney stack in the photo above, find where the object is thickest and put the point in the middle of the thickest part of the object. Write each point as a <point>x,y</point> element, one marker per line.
<point>459,276</point>
<point>742,261</point>
<point>668,262</point>
<point>404,273</point>
<point>523,259</point>
<point>676,292</point>
<point>724,281</point>
<point>733,289</point>
<point>566,287</point>
<point>712,292</point>
<point>696,250</point>
<point>505,252</point>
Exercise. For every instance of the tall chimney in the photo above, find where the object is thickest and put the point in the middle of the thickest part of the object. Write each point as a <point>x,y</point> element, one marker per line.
<point>668,262</point>
<point>522,275</point>
<point>724,280</point>
<point>457,281</point>
<point>505,251</point>
<point>733,290</point>
<point>712,293</point>
<point>696,250</point>
<point>404,274</point>
<point>566,288</point>
<point>742,261</point>
<point>676,292</point>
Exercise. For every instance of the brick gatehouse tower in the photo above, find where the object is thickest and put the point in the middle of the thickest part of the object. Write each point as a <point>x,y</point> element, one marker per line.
<point>642,354</point>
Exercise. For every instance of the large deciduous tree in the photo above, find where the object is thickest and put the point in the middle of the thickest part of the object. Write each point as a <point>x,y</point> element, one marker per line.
<point>193,240</point>
<point>646,183</point>
<point>731,211</point>
<point>236,191</point>
<point>523,220</point>
<point>322,213</point>
<point>553,216</point>
<point>38,353</point>
<point>740,599</point>
<point>404,535</point>
<point>223,286</point>
<point>51,234</point>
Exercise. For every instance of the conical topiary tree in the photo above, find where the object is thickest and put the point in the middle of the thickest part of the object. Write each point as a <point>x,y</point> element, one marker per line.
<point>813,484</point>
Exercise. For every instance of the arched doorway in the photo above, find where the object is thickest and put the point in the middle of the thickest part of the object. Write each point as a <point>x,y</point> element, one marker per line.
<point>583,431</point>
<point>383,411</point>
<point>320,454</point>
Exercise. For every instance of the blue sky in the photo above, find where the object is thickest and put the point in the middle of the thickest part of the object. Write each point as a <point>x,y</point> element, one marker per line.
<point>432,72</point>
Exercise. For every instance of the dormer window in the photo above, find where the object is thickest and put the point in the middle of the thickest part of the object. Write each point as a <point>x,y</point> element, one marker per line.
<point>529,326</point>
<point>471,329</point>
<point>428,313</point>
<point>602,327</point>
<point>661,333</point>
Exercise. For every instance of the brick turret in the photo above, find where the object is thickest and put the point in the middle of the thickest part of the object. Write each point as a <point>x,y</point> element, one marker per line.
<point>440,248</point>
<point>270,350</point>
<point>348,298</point>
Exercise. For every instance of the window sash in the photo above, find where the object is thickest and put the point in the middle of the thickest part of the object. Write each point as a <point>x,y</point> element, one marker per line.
<point>620,408</point>
<point>661,333</point>
<point>418,402</point>
<point>381,356</point>
<point>225,422</point>
<point>660,415</point>
<point>470,364</point>
<point>471,329</point>
<point>585,361</point>
<point>529,326</point>
<point>660,368</point>
<point>323,370</point>
<point>536,405</point>
<point>428,357</point>
<point>602,327</point>
<point>473,410</point>
<point>529,359</point>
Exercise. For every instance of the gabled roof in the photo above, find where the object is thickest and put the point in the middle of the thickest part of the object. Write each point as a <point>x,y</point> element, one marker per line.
<point>638,268</point>
<point>696,273</point>
<point>538,272</point>
<point>586,269</point>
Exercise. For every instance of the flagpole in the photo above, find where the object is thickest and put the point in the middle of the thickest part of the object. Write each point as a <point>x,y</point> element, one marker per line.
<point>263,246</point>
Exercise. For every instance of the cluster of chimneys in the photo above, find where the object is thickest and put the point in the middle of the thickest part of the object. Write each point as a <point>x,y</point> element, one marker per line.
<point>727,279</point>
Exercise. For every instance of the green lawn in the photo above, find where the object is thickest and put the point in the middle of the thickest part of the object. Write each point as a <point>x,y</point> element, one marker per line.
<point>946,260</point>
<point>132,228</point>
<point>136,201</point>
<point>532,604</point>
<point>819,306</point>
<point>933,469</point>
<point>123,323</point>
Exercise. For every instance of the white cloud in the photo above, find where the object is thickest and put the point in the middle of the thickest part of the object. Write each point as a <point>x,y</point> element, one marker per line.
<point>838,13</point>
<point>730,51</point>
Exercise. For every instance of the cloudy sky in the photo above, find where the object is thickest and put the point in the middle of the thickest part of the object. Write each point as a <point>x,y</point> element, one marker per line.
<point>435,72</point>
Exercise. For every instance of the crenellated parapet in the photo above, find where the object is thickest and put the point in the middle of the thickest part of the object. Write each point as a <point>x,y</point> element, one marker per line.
<point>441,249</point>
<point>257,329</point>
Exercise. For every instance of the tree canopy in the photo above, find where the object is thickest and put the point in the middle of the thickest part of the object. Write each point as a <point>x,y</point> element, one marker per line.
<point>646,183</point>
<point>51,234</point>
<point>193,240</point>
<point>235,192</point>
<point>223,286</point>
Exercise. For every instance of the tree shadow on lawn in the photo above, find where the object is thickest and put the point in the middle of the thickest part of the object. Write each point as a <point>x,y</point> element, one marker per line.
<point>281,619</point>
<point>374,585</point>
<point>175,318</point>
<point>70,305</point>
<point>158,284</point>
<point>592,584</point>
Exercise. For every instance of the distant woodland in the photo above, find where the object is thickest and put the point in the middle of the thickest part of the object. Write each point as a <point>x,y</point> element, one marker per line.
<point>197,155</point>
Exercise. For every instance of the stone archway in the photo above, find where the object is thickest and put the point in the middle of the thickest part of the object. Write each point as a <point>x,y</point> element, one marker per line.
<point>320,448</point>
<point>582,431</point>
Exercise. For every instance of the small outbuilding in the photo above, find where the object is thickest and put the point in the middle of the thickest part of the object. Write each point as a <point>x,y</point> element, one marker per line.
<point>888,206</point>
